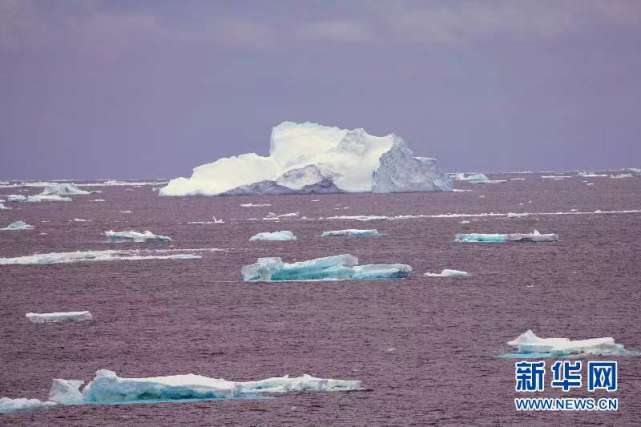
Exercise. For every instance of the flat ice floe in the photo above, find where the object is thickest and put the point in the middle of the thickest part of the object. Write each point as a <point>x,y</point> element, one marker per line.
<point>351,232</point>
<point>449,273</point>
<point>101,256</point>
<point>255,205</point>
<point>529,345</point>
<point>66,316</point>
<point>2,206</point>
<point>16,198</point>
<point>107,388</point>
<point>63,189</point>
<point>477,178</point>
<point>37,198</point>
<point>338,267</point>
<point>535,236</point>
<point>17,226</point>
<point>271,216</point>
<point>135,236</point>
<point>273,236</point>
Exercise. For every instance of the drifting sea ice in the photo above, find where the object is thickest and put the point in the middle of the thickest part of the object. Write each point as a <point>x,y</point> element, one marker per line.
<point>16,198</point>
<point>2,206</point>
<point>97,256</point>
<point>63,189</point>
<point>273,236</point>
<point>338,267</point>
<point>529,345</point>
<point>535,236</point>
<point>449,273</point>
<point>352,232</point>
<point>255,205</point>
<point>17,226</point>
<point>136,236</point>
<point>68,316</point>
<point>9,406</point>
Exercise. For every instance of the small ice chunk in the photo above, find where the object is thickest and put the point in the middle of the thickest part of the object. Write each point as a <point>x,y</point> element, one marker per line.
<point>16,198</point>
<point>352,232</point>
<point>2,206</point>
<point>9,406</point>
<point>529,345</point>
<point>273,236</point>
<point>517,215</point>
<point>271,216</point>
<point>68,316</point>
<point>98,200</point>
<point>17,226</point>
<point>621,176</point>
<point>464,222</point>
<point>449,273</point>
<point>255,205</point>
<point>339,267</point>
<point>136,236</point>
<point>535,236</point>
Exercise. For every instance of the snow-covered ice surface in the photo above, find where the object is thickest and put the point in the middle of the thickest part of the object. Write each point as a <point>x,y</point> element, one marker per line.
<point>449,273</point>
<point>273,236</point>
<point>351,232</point>
<point>535,236</point>
<point>3,207</point>
<point>255,205</point>
<point>529,345</point>
<point>17,226</point>
<point>63,189</point>
<point>63,316</point>
<point>338,267</point>
<point>8,405</point>
<point>311,158</point>
<point>135,236</point>
<point>99,256</point>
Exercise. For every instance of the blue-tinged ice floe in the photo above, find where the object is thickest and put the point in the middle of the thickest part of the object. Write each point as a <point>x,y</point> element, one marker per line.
<point>529,345</point>
<point>477,178</point>
<point>63,189</point>
<point>535,236</point>
<point>449,273</point>
<point>273,236</point>
<point>338,267</point>
<point>102,256</point>
<point>17,226</point>
<point>135,236</point>
<point>107,388</point>
<point>352,232</point>
<point>64,316</point>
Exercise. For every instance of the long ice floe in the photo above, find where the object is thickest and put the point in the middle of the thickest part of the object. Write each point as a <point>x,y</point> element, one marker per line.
<point>100,256</point>
<point>535,236</point>
<point>17,226</point>
<point>351,232</point>
<point>9,406</point>
<point>135,236</point>
<point>273,236</point>
<point>67,316</point>
<point>338,267</point>
<point>449,273</point>
<point>529,345</point>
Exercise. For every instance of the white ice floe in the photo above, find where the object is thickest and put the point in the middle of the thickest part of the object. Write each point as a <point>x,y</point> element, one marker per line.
<point>271,216</point>
<point>308,158</point>
<point>477,178</point>
<point>449,273</point>
<point>37,198</point>
<point>586,174</point>
<point>16,198</point>
<point>17,226</point>
<point>621,176</point>
<point>464,222</point>
<point>518,214</point>
<point>135,236</point>
<point>529,345</point>
<point>3,207</point>
<point>255,205</point>
<point>273,236</point>
<point>556,177</point>
<point>80,220</point>
<point>100,256</point>
<point>9,406</point>
<point>339,267</point>
<point>63,189</point>
<point>535,236</point>
<point>67,316</point>
<point>98,200</point>
<point>352,232</point>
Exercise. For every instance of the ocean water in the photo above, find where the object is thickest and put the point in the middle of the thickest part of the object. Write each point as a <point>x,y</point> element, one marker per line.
<point>425,348</point>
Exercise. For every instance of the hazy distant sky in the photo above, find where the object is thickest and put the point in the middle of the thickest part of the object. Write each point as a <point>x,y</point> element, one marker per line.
<point>124,89</point>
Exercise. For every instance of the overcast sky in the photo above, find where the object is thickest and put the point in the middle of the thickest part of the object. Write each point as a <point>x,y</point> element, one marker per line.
<point>127,89</point>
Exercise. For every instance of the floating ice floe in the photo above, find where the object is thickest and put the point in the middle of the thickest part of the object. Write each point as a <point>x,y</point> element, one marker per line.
<point>622,176</point>
<point>449,273</point>
<point>255,205</point>
<point>63,189</point>
<point>107,388</point>
<point>311,158</point>
<point>477,178</point>
<point>102,256</point>
<point>586,174</point>
<point>214,220</point>
<point>16,198</point>
<point>556,177</point>
<point>98,200</point>
<point>273,236</point>
<point>339,267</point>
<point>37,198</point>
<point>529,345</point>
<point>519,214</point>
<point>271,216</point>
<point>352,233</point>
<point>67,316</point>
<point>135,236</point>
<point>535,236</point>
<point>2,206</point>
<point>17,226</point>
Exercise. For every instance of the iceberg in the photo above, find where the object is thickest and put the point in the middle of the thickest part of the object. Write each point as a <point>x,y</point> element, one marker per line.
<point>449,273</point>
<point>273,236</point>
<point>63,189</point>
<point>535,236</point>
<point>99,256</point>
<point>136,236</point>
<point>68,316</point>
<point>310,158</point>
<point>351,233</point>
<point>529,345</point>
<point>9,406</point>
<point>338,267</point>
<point>17,226</point>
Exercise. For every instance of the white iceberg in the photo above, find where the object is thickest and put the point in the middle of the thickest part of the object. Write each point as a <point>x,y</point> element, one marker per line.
<point>535,236</point>
<point>449,273</point>
<point>135,236</point>
<point>16,198</point>
<point>311,158</point>
<point>67,316</point>
<point>529,345</point>
<point>338,267</point>
<point>99,256</point>
<point>352,232</point>
<point>63,189</point>
<point>9,406</point>
<point>273,236</point>
<point>17,226</point>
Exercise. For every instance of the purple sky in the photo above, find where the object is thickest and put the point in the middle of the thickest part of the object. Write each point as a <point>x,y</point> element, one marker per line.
<point>126,89</point>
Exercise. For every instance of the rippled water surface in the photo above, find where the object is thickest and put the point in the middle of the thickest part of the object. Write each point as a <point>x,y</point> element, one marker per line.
<point>425,348</point>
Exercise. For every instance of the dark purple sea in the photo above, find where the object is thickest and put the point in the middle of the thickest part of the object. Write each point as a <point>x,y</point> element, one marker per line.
<point>424,348</point>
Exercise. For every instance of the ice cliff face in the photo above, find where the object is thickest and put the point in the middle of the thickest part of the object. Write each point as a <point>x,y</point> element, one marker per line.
<point>311,158</point>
